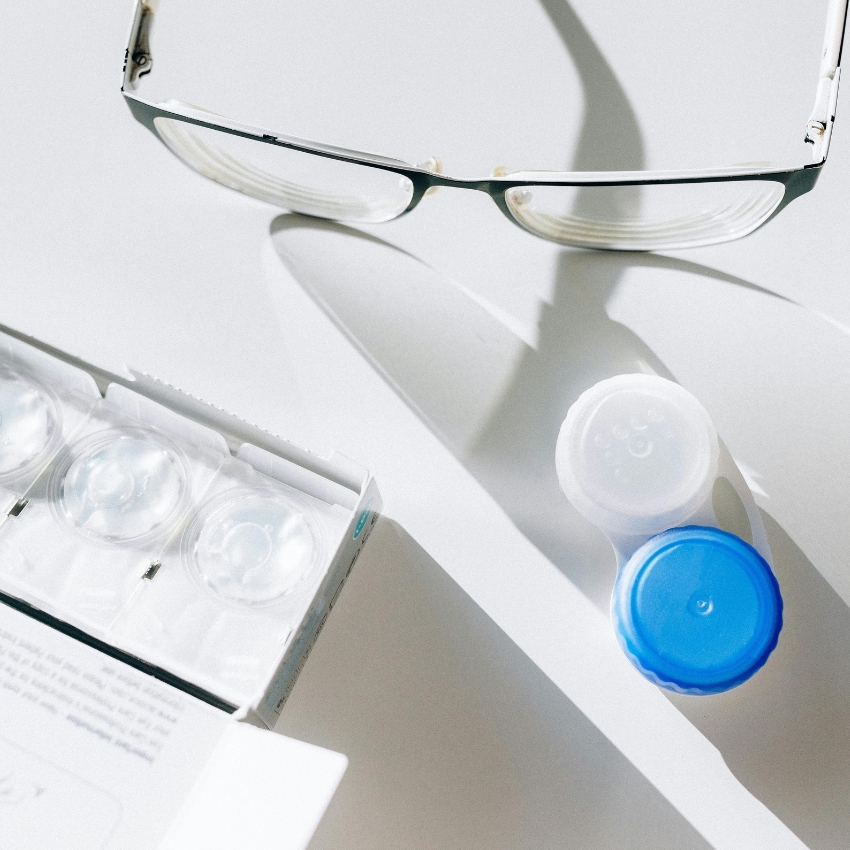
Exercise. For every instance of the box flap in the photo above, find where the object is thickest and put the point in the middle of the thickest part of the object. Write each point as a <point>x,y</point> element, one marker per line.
<point>147,410</point>
<point>259,790</point>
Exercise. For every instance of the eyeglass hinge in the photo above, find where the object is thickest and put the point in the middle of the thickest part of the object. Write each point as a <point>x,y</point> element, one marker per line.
<point>819,127</point>
<point>139,53</point>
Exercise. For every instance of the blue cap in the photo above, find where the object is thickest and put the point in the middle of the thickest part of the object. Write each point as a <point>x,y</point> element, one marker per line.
<point>697,610</point>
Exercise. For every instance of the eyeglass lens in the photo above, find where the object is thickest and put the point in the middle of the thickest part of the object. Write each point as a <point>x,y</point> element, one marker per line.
<point>298,181</point>
<point>645,217</point>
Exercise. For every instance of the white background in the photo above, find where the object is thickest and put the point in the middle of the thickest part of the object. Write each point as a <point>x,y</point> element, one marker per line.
<point>469,671</point>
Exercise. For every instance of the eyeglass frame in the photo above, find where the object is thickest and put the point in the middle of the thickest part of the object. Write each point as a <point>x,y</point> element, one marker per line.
<point>796,180</point>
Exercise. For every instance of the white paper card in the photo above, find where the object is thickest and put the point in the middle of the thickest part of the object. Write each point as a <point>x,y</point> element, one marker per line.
<point>96,755</point>
<point>93,753</point>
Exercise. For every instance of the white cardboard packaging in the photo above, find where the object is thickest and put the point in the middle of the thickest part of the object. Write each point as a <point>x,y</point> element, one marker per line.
<point>106,739</point>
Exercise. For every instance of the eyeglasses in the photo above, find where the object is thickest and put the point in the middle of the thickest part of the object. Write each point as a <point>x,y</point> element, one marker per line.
<point>614,210</point>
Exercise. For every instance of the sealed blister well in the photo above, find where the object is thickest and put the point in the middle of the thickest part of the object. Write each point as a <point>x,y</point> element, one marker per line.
<point>30,423</point>
<point>696,608</point>
<point>115,491</point>
<point>202,547</point>
<point>253,546</point>
<point>43,401</point>
<point>121,485</point>
<point>229,589</point>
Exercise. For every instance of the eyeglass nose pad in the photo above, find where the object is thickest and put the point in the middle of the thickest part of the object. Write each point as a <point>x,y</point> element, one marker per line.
<point>434,164</point>
<point>517,195</point>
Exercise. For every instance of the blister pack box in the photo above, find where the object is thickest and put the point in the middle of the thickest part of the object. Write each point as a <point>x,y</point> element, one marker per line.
<point>193,542</point>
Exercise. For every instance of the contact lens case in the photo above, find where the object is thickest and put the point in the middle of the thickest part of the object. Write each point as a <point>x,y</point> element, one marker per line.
<point>696,608</point>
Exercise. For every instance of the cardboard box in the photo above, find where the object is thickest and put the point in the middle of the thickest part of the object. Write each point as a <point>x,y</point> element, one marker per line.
<point>165,569</point>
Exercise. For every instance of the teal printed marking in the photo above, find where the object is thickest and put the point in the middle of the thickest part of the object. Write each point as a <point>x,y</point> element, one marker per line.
<point>362,519</point>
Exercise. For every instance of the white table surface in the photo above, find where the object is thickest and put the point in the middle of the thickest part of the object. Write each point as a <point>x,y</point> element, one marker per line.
<point>469,671</point>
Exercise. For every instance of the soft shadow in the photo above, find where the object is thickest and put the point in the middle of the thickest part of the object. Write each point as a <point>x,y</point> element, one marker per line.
<point>785,734</point>
<point>455,737</point>
<point>498,404</point>
<point>610,137</point>
<point>495,402</point>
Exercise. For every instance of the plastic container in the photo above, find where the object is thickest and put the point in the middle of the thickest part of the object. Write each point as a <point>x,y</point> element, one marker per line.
<point>696,608</point>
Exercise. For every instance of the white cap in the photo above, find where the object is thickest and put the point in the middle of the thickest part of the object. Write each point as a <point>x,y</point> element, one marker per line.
<point>637,454</point>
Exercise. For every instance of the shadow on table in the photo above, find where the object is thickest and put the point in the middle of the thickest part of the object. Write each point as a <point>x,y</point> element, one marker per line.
<point>462,736</point>
<point>498,404</point>
<point>495,402</point>
<point>455,737</point>
<point>786,733</point>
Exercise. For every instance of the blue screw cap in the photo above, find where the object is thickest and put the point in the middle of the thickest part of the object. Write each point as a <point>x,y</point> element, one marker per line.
<point>697,610</point>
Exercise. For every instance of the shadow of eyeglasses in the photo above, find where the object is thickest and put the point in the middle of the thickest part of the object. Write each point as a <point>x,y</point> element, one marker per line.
<point>497,404</point>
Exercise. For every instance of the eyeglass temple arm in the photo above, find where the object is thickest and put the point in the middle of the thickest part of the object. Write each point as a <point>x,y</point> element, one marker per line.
<point>138,60</point>
<point>819,127</point>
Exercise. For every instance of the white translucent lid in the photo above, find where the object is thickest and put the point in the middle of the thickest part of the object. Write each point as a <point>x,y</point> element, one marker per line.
<point>637,454</point>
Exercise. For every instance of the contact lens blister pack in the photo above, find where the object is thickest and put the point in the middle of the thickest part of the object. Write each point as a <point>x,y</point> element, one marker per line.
<point>249,558</point>
<point>98,515</point>
<point>170,530</point>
